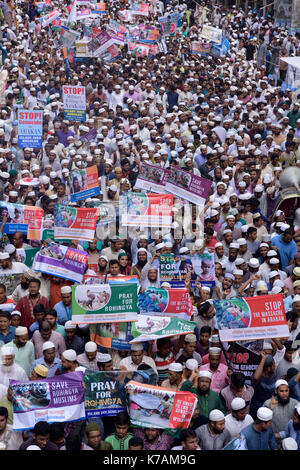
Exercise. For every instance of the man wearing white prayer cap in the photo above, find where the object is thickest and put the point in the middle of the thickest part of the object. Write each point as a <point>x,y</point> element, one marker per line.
<point>190,366</point>
<point>73,341</point>
<point>137,357</point>
<point>174,380</point>
<point>259,435</point>
<point>89,357</point>
<point>188,350</point>
<point>68,362</point>
<point>219,371</point>
<point>282,405</point>
<point>23,349</point>
<point>104,361</point>
<point>64,307</point>
<point>289,444</point>
<point>48,359</point>
<point>238,419</point>
<point>214,435</point>
<point>8,368</point>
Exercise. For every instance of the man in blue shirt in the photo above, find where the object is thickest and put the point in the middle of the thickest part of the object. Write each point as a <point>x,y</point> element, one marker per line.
<point>286,246</point>
<point>7,332</point>
<point>260,435</point>
<point>48,360</point>
<point>64,307</point>
<point>293,427</point>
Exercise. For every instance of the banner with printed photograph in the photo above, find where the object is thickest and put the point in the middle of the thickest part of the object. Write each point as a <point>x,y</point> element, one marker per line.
<point>149,328</point>
<point>55,399</point>
<point>104,303</point>
<point>173,269</point>
<point>251,318</point>
<point>199,47</point>
<point>17,216</point>
<point>146,210</point>
<point>159,407</point>
<point>61,261</point>
<point>165,302</point>
<point>152,178</point>
<point>169,23</point>
<point>112,335</point>
<point>89,279</point>
<point>142,50</point>
<point>211,33</point>
<point>74,223</point>
<point>84,183</point>
<point>187,186</point>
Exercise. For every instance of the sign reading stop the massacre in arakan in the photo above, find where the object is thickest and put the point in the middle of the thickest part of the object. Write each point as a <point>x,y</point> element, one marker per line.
<point>74,103</point>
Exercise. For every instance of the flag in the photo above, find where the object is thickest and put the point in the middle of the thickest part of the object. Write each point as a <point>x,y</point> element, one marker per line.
<point>72,15</point>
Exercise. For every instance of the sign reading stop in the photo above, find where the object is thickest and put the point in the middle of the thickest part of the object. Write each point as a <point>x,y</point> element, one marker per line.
<point>172,28</point>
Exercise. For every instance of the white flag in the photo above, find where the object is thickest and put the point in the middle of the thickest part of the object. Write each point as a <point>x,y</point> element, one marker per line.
<point>72,17</point>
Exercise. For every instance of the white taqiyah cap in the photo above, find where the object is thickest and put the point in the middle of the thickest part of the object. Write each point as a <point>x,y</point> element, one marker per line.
<point>48,345</point>
<point>90,346</point>
<point>205,373</point>
<point>183,250</point>
<point>264,413</point>
<point>190,338</point>
<point>69,325</point>
<point>176,367</point>
<point>191,364</point>
<point>33,447</point>
<point>21,330</point>
<point>216,415</point>
<point>238,404</point>
<point>70,355</point>
<point>280,382</point>
<point>289,444</point>
<point>4,255</point>
<point>66,290</point>
<point>103,357</point>
<point>7,351</point>
<point>214,350</point>
<point>136,347</point>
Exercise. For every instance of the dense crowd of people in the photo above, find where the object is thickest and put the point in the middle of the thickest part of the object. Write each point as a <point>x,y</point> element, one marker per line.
<point>229,117</point>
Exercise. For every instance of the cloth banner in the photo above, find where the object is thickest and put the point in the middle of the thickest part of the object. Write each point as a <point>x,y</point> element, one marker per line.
<point>148,328</point>
<point>47,19</point>
<point>251,318</point>
<point>141,9</point>
<point>18,216</point>
<point>41,228</point>
<point>56,399</point>
<point>112,335</point>
<point>211,33</point>
<point>67,37</point>
<point>199,47</point>
<point>74,223</point>
<point>147,210</point>
<point>84,183</point>
<point>74,101</point>
<point>173,269</point>
<point>89,280</point>
<point>166,302</point>
<point>30,128</point>
<point>142,50</point>
<point>159,407</point>
<point>168,24</point>
<point>100,44</point>
<point>244,357</point>
<point>61,261</point>
<point>104,303</point>
<point>152,178</point>
<point>185,185</point>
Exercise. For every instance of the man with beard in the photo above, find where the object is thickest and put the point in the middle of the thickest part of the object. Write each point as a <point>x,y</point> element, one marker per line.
<point>27,303</point>
<point>259,435</point>
<point>48,359</point>
<point>208,400</point>
<point>7,266</point>
<point>8,368</point>
<point>282,405</point>
<point>141,261</point>
<point>213,436</point>
<point>175,379</point>
<point>45,333</point>
<point>293,427</point>
<point>238,419</point>
<point>68,362</point>
<point>23,349</point>
<point>154,439</point>
<point>22,289</point>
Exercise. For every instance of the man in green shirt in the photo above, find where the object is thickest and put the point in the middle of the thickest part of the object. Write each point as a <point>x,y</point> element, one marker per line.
<point>119,440</point>
<point>23,348</point>
<point>7,403</point>
<point>93,437</point>
<point>208,400</point>
<point>294,115</point>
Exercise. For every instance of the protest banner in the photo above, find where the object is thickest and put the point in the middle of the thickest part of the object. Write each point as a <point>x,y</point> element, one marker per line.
<point>74,223</point>
<point>83,14</point>
<point>84,183</point>
<point>200,268</point>
<point>67,37</point>
<point>211,33</point>
<point>244,357</point>
<point>142,50</point>
<point>148,328</point>
<point>125,15</point>
<point>47,19</point>
<point>61,261</point>
<point>199,47</point>
<point>30,128</point>
<point>17,216</point>
<point>104,303</point>
<point>74,101</point>
<point>144,34</point>
<point>188,186</point>
<point>141,9</point>
<point>11,281</point>
<point>251,318</point>
<point>100,279</point>
<point>41,228</point>
<point>165,302</point>
<point>283,12</point>
<point>146,210</point>
<point>28,182</point>
<point>100,44</point>
<point>159,407</point>
<point>105,393</point>
<point>168,24</point>
<point>52,400</point>
<point>115,26</point>
<point>99,9</point>
<point>152,178</point>
<point>27,255</point>
<point>112,335</point>
<point>81,49</point>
